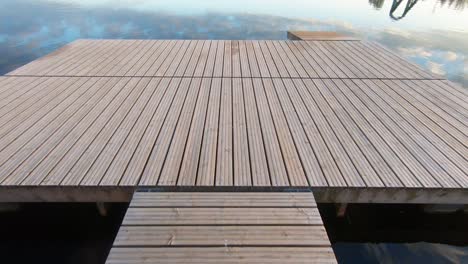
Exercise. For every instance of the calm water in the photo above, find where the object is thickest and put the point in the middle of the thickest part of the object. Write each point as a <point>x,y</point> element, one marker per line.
<point>432,33</point>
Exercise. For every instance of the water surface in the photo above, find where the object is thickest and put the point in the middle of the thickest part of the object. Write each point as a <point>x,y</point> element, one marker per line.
<point>432,33</point>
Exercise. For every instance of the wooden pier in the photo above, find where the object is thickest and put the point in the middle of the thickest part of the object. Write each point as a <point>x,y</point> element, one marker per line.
<point>348,119</point>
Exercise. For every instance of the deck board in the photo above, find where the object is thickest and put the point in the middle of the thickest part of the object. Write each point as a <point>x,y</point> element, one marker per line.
<point>248,227</point>
<point>240,114</point>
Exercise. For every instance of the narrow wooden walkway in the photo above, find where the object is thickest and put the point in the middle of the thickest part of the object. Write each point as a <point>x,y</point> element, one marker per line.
<point>335,115</point>
<point>222,228</point>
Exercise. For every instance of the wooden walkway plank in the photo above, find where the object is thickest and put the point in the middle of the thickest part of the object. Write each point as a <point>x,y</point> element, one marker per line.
<point>441,105</point>
<point>327,163</point>
<point>254,67</point>
<point>275,160</point>
<point>425,145</point>
<point>202,59</point>
<point>240,255</point>
<point>207,164</point>
<point>156,236</point>
<point>104,62</point>
<point>191,156</point>
<point>131,173</point>
<point>317,62</point>
<point>420,173</point>
<point>346,67</point>
<point>110,174</point>
<point>26,157</point>
<point>12,87</point>
<point>227,62</point>
<point>285,68</point>
<point>451,97</point>
<point>146,56</point>
<point>44,159</point>
<point>273,71</point>
<point>222,199</point>
<point>290,155</point>
<point>53,170</point>
<point>315,51</point>
<point>244,60</point>
<point>156,55</point>
<point>164,61</point>
<point>344,162</point>
<point>428,123</point>
<point>210,62</point>
<point>77,162</point>
<point>293,51</point>
<point>52,58</point>
<point>180,68</point>
<point>417,151</point>
<point>53,63</point>
<point>235,59</point>
<point>136,59</point>
<point>362,139</point>
<point>219,61</point>
<point>114,69</point>
<point>242,166</point>
<point>263,70</point>
<point>20,131</point>
<point>224,157</point>
<point>398,60</point>
<point>162,55</point>
<point>310,65</point>
<point>311,166</point>
<point>360,161</point>
<point>113,144</point>
<point>24,92</point>
<point>191,66</point>
<point>359,68</point>
<point>170,169</point>
<point>222,216</point>
<point>160,148</point>
<point>286,54</point>
<point>172,61</point>
<point>417,102</point>
<point>250,227</point>
<point>258,159</point>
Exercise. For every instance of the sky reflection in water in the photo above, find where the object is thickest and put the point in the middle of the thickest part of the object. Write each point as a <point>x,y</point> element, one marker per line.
<point>432,33</point>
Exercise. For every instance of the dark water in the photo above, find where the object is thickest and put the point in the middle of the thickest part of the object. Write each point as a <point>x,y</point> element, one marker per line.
<point>432,33</point>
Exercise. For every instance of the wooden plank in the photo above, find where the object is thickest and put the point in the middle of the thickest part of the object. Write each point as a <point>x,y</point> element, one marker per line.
<point>159,150</point>
<point>30,152</point>
<point>362,165</point>
<point>276,162</point>
<point>343,161</point>
<point>189,166</point>
<point>156,56</point>
<point>244,61</point>
<point>385,173</point>
<point>155,236</point>
<point>222,216</point>
<point>229,199</point>
<point>132,171</point>
<point>242,166</point>
<point>162,63</point>
<point>224,165</point>
<point>172,60</point>
<point>186,58</point>
<point>219,61</point>
<point>170,170</point>
<point>235,59</point>
<point>207,164</point>
<point>221,255</point>
<point>258,159</point>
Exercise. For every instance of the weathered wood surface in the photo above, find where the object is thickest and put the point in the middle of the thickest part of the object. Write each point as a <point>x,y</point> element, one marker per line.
<point>185,227</point>
<point>371,120</point>
<point>236,58</point>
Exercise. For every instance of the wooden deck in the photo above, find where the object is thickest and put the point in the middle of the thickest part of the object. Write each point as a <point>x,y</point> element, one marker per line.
<point>348,118</point>
<point>222,228</point>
